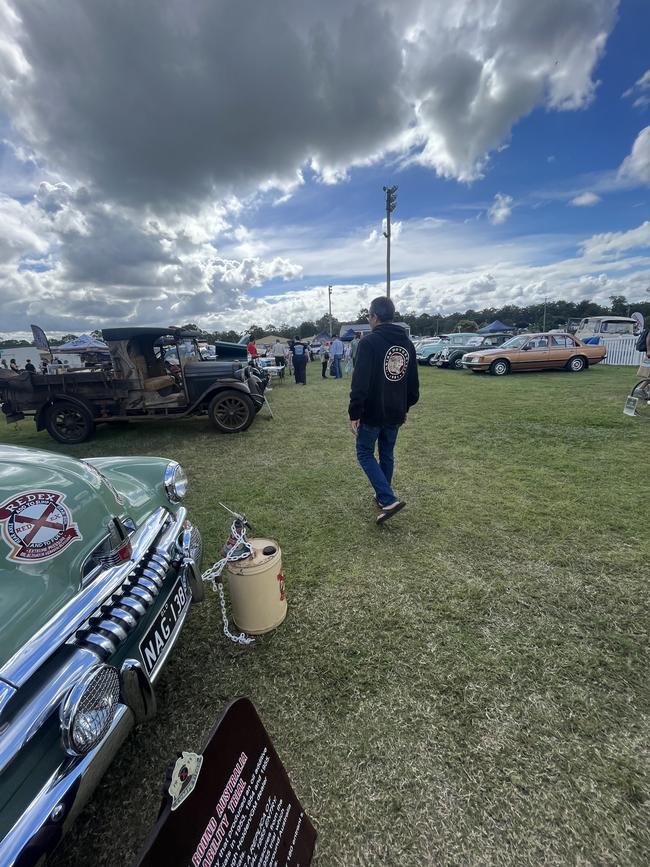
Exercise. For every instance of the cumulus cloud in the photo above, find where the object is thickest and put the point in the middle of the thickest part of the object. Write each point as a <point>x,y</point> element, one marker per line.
<point>640,91</point>
<point>500,209</point>
<point>211,97</point>
<point>585,200</point>
<point>635,167</point>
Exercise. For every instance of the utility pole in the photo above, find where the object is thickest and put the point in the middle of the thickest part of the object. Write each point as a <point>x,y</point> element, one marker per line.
<point>329,300</point>
<point>544,326</point>
<point>390,207</point>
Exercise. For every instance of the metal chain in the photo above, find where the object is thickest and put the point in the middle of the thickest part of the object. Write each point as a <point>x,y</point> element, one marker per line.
<point>239,550</point>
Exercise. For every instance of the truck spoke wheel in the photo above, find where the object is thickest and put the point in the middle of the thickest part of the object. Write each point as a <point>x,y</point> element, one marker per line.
<point>231,411</point>
<point>69,423</point>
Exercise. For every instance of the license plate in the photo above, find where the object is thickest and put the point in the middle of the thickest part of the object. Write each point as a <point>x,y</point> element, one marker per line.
<point>152,646</point>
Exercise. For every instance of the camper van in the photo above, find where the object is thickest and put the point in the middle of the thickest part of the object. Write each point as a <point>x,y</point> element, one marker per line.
<point>606,326</point>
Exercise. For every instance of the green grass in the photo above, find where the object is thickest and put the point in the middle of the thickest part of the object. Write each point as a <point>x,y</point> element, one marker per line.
<point>466,685</point>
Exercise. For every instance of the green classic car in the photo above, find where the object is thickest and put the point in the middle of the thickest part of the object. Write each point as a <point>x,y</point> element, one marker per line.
<point>98,568</point>
<point>452,353</point>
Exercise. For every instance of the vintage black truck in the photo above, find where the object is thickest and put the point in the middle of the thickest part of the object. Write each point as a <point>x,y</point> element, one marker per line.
<point>153,374</point>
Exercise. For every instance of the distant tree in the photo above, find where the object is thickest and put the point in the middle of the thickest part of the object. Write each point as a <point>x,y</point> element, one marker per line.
<point>619,305</point>
<point>97,334</point>
<point>467,325</point>
<point>255,331</point>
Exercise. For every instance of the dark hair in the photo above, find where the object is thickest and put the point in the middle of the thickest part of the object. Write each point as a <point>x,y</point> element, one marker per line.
<point>383,308</point>
<point>297,338</point>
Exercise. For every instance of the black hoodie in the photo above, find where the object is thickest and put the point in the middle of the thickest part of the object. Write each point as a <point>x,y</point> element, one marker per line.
<point>385,379</point>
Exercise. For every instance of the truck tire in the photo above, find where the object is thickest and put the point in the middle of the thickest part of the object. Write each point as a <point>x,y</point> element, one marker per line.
<point>68,422</point>
<point>231,411</point>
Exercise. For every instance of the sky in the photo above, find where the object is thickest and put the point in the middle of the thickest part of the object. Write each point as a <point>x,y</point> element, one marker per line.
<point>222,161</point>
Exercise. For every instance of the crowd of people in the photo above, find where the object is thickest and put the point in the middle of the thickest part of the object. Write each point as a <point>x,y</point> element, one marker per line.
<point>336,357</point>
<point>29,366</point>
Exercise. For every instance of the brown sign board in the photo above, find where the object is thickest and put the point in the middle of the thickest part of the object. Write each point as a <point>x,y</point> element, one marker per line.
<point>241,809</point>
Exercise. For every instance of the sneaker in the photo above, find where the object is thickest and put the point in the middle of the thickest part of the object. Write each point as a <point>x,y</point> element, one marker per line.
<point>388,511</point>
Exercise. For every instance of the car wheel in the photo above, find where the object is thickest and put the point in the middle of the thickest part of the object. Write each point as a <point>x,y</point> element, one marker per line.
<point>68,422</point>
<point>431,361</point>
<point>231,411</point>
<point>576,364</point>
<point>456,363</point>
<point>500,367</point>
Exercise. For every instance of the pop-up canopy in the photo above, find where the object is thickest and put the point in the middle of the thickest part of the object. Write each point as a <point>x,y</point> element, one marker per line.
<point>81,344</point>
<point>497,325</point>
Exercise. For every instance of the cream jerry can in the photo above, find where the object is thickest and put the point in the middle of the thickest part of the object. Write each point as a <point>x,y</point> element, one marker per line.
<point>256,585</point>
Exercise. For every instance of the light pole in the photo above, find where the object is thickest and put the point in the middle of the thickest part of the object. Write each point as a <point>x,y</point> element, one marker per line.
<point>544,326</point>
<point>329,301</point>
<point>390,207</point>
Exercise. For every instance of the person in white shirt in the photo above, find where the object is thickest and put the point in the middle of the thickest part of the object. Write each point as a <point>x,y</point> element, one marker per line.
<point>277,350</point>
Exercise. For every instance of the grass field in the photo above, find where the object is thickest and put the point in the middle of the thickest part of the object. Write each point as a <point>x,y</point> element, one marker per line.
<point>466,685</point>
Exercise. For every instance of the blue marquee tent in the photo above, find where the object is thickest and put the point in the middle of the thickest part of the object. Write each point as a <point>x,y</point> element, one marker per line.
<point>495,326</point>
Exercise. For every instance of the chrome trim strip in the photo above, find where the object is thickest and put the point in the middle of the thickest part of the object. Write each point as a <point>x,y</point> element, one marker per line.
<point>33,654</point>
<point>81,778</point>
<point>6,693</point>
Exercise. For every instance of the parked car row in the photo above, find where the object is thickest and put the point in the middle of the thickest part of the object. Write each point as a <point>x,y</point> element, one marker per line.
<point>500,354</point>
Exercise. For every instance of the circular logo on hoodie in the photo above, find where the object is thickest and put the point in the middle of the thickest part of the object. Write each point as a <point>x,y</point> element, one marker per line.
<point>37,525</point>
<point>395,363</point>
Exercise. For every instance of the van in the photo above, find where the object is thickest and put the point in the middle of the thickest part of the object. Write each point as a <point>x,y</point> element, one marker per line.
<point>606,326</point>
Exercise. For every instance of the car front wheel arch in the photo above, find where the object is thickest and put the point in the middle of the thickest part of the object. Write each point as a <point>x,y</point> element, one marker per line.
<point>500,367</point>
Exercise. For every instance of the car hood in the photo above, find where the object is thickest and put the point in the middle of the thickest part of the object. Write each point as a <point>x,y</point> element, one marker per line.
<point>54,510</point>
<point>493,350</point>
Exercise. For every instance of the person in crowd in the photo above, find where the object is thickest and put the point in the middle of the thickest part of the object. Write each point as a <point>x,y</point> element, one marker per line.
<point>3,362</point>
<point>13,366</point>
<point>384,387</point>
<point>336,351</point>
<point>29,366</point>
<point>44,366</point>
<point>288,357</point>
<point>324,357</point>
<point>644,366</point>
<point>300,355</point>
<point>354,346</point>
<point>347,358</point>
<point>252,349</point>
<point>278,353</point>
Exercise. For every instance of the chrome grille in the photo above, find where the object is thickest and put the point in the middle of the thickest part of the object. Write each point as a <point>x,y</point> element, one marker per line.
<point>110,625</point>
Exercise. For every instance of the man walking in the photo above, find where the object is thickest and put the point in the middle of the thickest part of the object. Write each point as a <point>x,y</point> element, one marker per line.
<point>384,387</point>
<point>336,350</point>
<point>324,357</point>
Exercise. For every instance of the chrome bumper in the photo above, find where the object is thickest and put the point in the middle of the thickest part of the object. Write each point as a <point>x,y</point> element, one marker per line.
<point>42,824</point>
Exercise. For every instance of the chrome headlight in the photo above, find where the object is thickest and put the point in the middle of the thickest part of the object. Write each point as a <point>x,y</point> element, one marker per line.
<point>175,482</point>
<point>88,709</point>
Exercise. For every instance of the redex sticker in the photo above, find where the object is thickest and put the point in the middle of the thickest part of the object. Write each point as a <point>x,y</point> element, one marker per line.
<point>37,525</point>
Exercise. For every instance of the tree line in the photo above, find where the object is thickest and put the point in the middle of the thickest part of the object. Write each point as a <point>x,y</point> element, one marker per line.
<point>533,316</point>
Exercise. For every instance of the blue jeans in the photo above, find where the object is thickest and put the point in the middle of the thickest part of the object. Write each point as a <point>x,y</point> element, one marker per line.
<point>379,473</point>
<point>338,373</point>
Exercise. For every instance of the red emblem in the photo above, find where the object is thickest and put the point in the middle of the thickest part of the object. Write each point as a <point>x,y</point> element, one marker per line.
<point>37,525</point>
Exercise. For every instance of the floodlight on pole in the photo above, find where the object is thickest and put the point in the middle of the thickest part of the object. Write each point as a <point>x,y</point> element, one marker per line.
<point>391,202</point>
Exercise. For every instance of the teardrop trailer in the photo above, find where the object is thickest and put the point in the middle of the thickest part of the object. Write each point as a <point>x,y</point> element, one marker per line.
<point>154,374</point>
